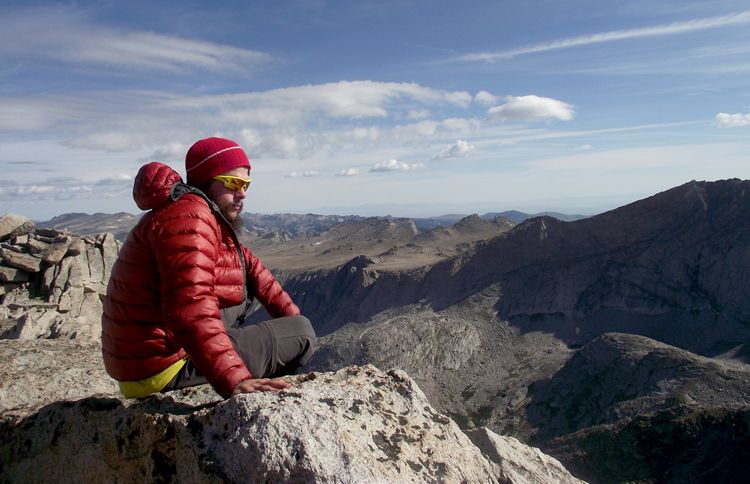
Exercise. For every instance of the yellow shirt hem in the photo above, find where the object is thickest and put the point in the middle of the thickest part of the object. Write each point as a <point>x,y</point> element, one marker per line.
<point>152,384</point>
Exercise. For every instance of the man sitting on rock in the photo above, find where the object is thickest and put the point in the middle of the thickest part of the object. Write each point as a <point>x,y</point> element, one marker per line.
<point>182,285</point>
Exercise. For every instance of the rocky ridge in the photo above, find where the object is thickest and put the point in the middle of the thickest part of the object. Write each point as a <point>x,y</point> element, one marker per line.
<point>118,224</point>
<point>671,267</point>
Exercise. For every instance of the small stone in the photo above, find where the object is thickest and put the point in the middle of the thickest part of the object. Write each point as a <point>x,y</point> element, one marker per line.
<point>57,250</point>
<point>26,262</point>
<point>12,224</point>
<point>77,247</point>
<point>12,274</point>
<point>37,246</point>
<point>48,232</point>
<point>7,288</point>
<point>15,248</point>
<point>21,239</point>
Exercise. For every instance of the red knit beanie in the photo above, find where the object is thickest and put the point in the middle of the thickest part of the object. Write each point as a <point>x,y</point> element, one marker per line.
<point>213,156</point>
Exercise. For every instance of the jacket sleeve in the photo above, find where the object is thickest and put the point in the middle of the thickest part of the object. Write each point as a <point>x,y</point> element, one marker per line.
<point>267,289</point>
<point>186,249</point>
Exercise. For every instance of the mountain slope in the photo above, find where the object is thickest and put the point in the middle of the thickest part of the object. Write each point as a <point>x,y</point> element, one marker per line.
<point>672,267</point>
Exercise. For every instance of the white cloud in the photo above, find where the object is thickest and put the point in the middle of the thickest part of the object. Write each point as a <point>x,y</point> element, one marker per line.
<point>336,100</point>
<point>532,108</point>
<point>66,35</point>
<point>303,174</point>
<point>726,120</point>
<point>281,123</point>
<point>456,150</point>
<point>484,97</point>
<point>739,18</point>
<point>395,165</point>
<point>169,152</point>
<point>283,143</point>
<point>349,172</point>
<point>586,147</point>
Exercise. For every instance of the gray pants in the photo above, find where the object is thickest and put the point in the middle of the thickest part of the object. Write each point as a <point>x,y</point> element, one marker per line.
<point>269,349</point>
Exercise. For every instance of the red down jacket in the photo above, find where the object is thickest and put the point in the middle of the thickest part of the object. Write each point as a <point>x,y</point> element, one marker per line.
<point>178,267</point>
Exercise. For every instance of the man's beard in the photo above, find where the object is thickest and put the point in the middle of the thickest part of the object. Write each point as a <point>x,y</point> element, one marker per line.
<point>234,220</point>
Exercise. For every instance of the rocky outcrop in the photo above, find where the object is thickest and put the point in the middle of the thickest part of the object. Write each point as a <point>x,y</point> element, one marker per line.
<point>425,344</point>
<point>517,461</point>
<point>356,425</point>
<point>51,282</point>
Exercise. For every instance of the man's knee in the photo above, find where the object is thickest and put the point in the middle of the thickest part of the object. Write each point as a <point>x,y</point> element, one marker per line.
<point>305,328</point>
<point>308,338</point>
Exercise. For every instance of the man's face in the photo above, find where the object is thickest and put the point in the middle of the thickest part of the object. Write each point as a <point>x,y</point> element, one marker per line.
<point>229,201</point>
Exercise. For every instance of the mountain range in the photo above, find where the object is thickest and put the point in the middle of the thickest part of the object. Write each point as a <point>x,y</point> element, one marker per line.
<point>618,343</point>
<point>279,226</point>
<point>489,332</point>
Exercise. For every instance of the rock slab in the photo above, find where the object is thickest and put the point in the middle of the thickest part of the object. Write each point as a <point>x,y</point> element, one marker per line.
<point>355,425</point>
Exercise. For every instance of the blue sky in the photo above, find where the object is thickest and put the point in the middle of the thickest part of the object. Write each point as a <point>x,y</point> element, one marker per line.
<point>406,108</point>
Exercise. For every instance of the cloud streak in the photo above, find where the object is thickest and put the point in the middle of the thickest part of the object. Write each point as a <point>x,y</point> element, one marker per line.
<point>67,188</point>
<point>65,35</point>
<point>302,174</point>
<point>734,19</point>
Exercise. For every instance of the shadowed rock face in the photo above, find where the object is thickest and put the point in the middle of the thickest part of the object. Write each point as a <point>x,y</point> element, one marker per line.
<point>616,377</point>
<point>678,259</point>
<point>356,425</point>
<point>677,445</point>
<point>626,407</point>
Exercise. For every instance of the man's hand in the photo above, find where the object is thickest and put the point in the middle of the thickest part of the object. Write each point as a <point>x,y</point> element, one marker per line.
<point>260,385</point>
